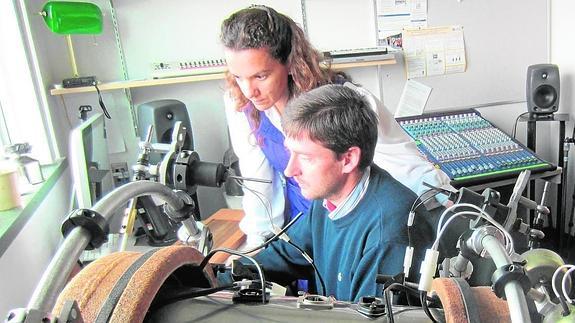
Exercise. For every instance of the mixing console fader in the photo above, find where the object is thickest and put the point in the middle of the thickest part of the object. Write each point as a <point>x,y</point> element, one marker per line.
<point>469,149</point>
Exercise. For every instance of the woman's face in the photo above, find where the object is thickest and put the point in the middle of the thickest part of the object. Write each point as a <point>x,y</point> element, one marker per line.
<point>262,79</point>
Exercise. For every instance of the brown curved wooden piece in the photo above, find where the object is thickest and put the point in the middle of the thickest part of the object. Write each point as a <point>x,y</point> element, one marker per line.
<point>488,305</point>
<point>92,286</point>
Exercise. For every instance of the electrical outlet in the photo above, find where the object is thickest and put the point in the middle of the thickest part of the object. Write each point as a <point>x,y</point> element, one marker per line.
<point>120,173</point>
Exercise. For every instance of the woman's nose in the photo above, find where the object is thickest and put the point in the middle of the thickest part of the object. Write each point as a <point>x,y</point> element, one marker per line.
<point>249,89</point>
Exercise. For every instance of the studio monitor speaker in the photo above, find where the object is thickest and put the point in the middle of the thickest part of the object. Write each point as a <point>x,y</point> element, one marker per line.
<point>542,89</point>
<point>163,114</point>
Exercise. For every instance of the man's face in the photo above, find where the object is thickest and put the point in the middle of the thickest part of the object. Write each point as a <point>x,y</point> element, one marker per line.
<point>317,170</point>
<point>262,79</point>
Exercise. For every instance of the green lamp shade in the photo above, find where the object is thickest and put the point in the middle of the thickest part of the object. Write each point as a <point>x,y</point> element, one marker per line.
<point>67,17</point>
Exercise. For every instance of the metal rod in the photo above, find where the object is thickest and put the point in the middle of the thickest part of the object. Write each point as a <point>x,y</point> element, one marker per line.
<point>130,220</point>
<point>513,292</point>
<point>251,179</point>
<point>561,187</point>
<point>72,55</point>
<point>56,274</point>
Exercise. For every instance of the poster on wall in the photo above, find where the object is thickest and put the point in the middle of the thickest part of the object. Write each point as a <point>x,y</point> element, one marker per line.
<point>434,51</point>
<point>392,16</point>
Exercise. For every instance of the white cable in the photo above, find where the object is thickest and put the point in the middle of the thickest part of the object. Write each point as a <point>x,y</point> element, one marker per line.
<point>555,278</point>
<point>564,284</point>
<point>407,260</point>
<point>427,270</point>
<point>509,241</point>
<point>454,206</point>
<point>264,201</point>
<point>509,244</point>
<point>441,229</point>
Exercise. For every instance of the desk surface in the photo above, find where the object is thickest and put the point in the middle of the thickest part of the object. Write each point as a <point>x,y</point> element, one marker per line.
<point>224,225</point>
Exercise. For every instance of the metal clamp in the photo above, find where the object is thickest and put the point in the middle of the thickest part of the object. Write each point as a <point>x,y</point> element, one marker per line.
<point>315,302</point>
<point>185,212</point>
<point>507,273</point>
<point>90,220</point>
<point>371,306</point>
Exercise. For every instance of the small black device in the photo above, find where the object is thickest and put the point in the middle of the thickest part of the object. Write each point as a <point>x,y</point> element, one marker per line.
<point>159,229</point>
<point>79,82</point>
<point>542,89</point>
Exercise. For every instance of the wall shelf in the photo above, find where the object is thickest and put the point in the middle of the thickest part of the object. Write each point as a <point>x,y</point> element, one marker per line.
<point>186,79</point>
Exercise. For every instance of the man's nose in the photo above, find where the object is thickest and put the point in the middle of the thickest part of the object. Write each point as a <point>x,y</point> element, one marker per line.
<point>292,168</point>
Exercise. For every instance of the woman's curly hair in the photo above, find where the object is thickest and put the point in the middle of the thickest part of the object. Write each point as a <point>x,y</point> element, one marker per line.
<point>263,27</point>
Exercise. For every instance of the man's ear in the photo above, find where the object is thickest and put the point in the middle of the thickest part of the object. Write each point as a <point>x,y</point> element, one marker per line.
<point>351,159</point>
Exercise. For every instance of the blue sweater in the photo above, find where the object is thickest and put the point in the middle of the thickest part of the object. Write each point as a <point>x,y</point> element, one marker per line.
<point>351,251</point>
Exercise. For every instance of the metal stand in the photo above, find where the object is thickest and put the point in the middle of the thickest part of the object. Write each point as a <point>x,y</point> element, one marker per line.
<point>531,144</point>
<point>566,145</point>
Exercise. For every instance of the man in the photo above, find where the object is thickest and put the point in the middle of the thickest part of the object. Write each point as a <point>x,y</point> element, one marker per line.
<point>356,226</point>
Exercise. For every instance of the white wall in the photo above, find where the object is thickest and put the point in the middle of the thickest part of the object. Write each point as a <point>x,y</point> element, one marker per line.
<point>23,263</point>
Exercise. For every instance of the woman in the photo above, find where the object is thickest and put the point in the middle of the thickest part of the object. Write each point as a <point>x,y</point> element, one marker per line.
<point>270,61</point>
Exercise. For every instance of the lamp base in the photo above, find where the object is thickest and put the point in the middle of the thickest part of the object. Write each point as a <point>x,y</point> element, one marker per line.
<point>79,81</point>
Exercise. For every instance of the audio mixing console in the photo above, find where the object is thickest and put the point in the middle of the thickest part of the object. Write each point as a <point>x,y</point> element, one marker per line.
<point>469,149</point>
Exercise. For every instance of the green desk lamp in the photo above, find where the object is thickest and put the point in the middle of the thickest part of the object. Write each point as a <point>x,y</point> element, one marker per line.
<point>72,18</point>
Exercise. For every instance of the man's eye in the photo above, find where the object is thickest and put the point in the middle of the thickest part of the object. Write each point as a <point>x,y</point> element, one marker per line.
<point>261,77</point>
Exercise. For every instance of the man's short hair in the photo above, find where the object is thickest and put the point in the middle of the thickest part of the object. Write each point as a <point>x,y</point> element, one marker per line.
<point>335,116</point>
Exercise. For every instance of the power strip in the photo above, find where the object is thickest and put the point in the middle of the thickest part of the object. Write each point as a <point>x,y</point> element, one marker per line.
<point>187,68</point>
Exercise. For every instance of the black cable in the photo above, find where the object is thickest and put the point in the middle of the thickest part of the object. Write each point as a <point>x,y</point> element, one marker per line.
<point>386,297</point>
<point>102,105</point>
<point>410,289</point>
<point>185,294</point>
<point>245,253</point>
<point>310,260</point>
<point>258,267</point>
<point>421,202</point>
<point>423,299</point>
<point>564,307</point>
<point>515,125</point>
<point>263,245</point>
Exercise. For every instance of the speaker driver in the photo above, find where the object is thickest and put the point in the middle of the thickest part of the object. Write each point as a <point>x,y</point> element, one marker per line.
<point>545,96</point>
